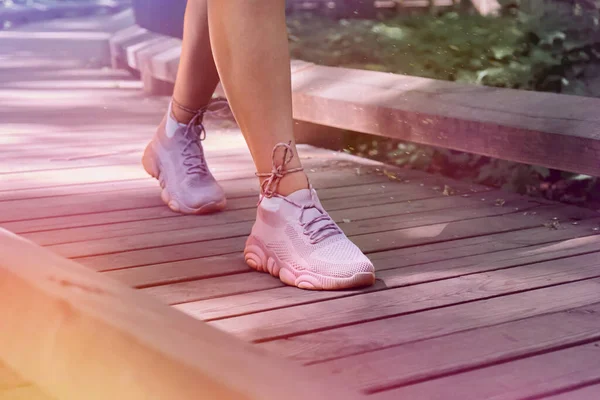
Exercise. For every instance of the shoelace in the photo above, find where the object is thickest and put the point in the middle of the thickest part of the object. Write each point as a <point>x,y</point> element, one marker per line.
<point>269,187</point>
<point>322,232</point>
<point>195,133</point>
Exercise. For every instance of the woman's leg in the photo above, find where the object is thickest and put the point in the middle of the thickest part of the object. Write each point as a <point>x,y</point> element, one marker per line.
<point>175,155</point>
<point>197,76</point>
<point>293,237</point>
<point>250,44</point>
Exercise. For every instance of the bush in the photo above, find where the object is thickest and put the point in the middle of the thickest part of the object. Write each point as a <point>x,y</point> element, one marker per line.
<point>561,42</point>
<point>534,45</point>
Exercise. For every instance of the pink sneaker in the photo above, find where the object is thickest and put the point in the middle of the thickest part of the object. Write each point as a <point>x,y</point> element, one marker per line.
<point>176,158</point>
<point>295,239</point>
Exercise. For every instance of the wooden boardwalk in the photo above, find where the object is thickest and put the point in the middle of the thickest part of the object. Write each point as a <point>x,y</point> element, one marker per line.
<point>481,294</point>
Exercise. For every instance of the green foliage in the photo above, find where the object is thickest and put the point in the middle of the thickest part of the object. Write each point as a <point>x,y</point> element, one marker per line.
<point>449,47</point>
<point>536,45</point>
<point>562,42</point>
<point>551,45</point>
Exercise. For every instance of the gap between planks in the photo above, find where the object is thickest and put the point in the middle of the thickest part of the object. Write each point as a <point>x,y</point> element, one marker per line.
<point>465,250</point>
<point>533,377</point>
<point>466,350</point>
<point>102,211</point>
<point>194,296</point>
<point>243,209</point>
<point>412,298</point>
<point>353,340</point>
<point>367,236</point>
<point>86,203</point>
<point>354,216</point>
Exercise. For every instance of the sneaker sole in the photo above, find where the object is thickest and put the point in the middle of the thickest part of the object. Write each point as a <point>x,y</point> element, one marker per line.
<point>258,257</point>
<point>151,167</point>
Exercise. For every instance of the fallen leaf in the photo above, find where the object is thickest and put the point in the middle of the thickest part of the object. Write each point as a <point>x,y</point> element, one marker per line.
<point>390,175</point>
<point>552,225</point>
<point>448,191</point>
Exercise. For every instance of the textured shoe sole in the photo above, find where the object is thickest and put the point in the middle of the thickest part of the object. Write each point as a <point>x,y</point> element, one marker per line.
<point>152,168</point>
<point>258,257</point>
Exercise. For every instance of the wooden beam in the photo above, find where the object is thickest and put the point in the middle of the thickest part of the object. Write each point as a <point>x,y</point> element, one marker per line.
<point>77,334</point>
<point>552,130</point>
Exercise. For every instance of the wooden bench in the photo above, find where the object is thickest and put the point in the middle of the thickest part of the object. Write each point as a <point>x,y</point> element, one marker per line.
<point>546,129</point>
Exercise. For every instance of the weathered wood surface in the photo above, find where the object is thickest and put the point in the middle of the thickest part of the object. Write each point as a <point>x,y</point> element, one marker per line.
<point>536,128</point>
<point>95,336</point>
<point>24,393</point>
<point>588,392</point>
<point>537,376</point>
<point>14,387</point>
<point>506,285</point>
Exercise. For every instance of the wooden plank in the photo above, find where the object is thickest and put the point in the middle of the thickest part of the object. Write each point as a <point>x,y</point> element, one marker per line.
<point>406,364</point>
<point>546,129</point>
<point>73,190</point>
<point>328,314</point>
<point>504,220</point>
<point>18,210</point>
<point>24,393</point>
<point>44,163</point>
<point>86,175</point>
<point>141,348</point>
<point>158,274</point>
<point>392,270</point>
<point>390,274</point>
<point>245,282</point>
<point>585,393</point>
<point>360,338</point>
<point>222,159</point>
<point>527,378</point>
<point>365,219</point>
<point>9,379</point>
<point>128,167</point>
<point>130,155</point>
<point>464,228</point>
<point>92,219</point>
<point>358,196</point>
<point>110,217</point>
<point>180,271</point>
<point>64,152</point>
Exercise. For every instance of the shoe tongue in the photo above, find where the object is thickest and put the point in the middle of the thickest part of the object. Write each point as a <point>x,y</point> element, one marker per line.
<point>302,197</point>
<point>305,197</point>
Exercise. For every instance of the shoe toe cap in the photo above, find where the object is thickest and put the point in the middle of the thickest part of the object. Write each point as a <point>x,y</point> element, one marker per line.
<point>194,199</point>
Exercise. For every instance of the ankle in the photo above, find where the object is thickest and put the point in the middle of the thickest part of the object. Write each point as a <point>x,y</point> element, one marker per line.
<point>180,116</point>
<point>182,113</point>
<point>291,183</point>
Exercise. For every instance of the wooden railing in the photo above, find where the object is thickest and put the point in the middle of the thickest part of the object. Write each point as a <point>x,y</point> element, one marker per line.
<point>77,334</point>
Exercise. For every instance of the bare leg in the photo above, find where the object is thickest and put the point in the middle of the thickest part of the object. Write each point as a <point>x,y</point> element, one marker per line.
<point>197,75</point>
<point>249,43</point>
